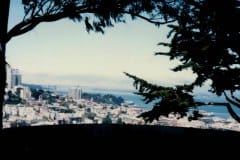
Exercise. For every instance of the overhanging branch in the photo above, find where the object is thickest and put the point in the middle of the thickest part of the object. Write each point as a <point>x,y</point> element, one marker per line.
<point>231,101</point>
<point>28,24</point>
<point>147,19</point>
<point>235,98</point>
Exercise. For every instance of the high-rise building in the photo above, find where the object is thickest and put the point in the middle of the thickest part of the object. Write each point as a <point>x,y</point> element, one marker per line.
<point>13,77</point>
<point>9,77</point>
<point>75,93</point>
<point>16,78</point>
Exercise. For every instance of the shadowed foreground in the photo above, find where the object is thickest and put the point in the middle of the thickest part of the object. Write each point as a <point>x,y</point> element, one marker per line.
<point>118,138</point>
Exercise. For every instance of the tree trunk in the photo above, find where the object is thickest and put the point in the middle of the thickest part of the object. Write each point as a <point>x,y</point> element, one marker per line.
<point>4,12</point>
<point>2,80</point>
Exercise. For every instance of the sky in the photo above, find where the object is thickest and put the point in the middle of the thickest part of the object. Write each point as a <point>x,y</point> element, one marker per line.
<point>63,53</point>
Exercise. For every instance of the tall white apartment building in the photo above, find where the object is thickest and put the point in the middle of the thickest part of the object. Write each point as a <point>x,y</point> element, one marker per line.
<point>9,77</point>
<point>14,78</point>
<point>75,93</point>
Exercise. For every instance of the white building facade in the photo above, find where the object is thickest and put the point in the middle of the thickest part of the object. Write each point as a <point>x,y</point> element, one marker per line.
<point>75,93</point>
<point>14,78</point>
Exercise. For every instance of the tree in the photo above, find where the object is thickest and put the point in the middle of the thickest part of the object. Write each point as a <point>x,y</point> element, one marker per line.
<point>119,121</point>
<point>96,14</point>
<point>107,119</point>
<point>205,38</point>
<point>13,98</point>
<point>35,93</point>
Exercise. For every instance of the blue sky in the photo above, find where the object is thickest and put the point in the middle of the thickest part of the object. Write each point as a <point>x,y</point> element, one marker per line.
<point>63,52</point>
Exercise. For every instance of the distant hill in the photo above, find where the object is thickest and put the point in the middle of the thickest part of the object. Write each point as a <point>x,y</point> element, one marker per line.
<point>33,86</point>
<point>107,98</point>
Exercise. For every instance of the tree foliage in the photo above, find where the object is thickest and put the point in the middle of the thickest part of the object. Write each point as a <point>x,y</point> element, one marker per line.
<point>96,14</point>
<point>107,119</point>
<point>205,38</point>
<point>13,98</point>
<point>177,100</point>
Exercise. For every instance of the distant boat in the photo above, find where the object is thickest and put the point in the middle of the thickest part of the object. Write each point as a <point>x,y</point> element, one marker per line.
<point>128,103</point>
<point>207,114</point>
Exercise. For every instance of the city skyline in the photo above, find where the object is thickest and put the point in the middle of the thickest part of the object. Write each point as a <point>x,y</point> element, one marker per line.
<point>64,53</point>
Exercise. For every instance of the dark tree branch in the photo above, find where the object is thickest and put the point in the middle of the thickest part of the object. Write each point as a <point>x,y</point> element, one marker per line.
<point>26,29</point>
<point>26,26</point>
<point>227,105</point>
<point>35,19</point>
<point>147,19</point>
<point>235,98</point>
<point>50,7</point>
<point>231,101</point>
